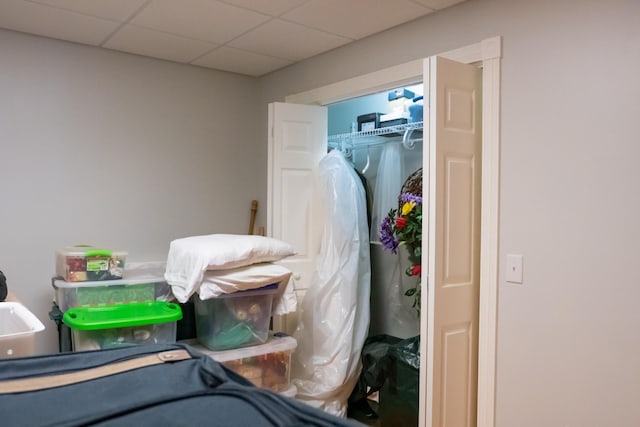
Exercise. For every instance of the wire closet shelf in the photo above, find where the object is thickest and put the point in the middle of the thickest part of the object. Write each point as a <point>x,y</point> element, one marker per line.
<point>410,132</point>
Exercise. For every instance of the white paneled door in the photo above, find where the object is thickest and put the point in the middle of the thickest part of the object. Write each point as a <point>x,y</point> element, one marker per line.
<point>297,142</point>
<point>449,327</point>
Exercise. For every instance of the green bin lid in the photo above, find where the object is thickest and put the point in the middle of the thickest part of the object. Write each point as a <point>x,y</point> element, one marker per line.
<point>121,315</point>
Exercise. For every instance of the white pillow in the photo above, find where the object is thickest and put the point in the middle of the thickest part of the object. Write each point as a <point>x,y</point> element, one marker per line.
<point>190,257</point>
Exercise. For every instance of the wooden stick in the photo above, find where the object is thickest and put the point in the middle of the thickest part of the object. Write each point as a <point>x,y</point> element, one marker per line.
<point>252,218</point>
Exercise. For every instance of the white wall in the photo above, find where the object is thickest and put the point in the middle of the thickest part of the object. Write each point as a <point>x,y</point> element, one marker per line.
<point>116,150</point>
<point>568,337</point>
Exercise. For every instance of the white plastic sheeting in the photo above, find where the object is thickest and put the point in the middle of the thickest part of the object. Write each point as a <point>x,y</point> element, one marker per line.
<point>393,312</point>
<point>389,179</point>
<point>394,315</point>
<point>334,314</point>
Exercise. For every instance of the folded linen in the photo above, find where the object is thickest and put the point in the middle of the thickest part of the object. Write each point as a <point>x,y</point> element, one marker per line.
<point>190,257</point>
<point>219,282</point>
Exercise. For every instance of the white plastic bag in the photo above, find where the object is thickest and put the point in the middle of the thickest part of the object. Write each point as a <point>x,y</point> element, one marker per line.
<point>334,314</point>
<point>389,178</point>
<point>394,314</point>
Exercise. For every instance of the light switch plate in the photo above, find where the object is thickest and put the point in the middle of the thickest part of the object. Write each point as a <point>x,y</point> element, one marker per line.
<point>514,268</point>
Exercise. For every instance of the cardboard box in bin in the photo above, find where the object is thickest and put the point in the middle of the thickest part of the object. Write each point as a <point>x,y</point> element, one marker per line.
<point>266,365</point>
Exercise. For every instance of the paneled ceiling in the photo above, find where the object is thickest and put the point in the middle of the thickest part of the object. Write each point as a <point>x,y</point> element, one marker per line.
<point>251,37</point>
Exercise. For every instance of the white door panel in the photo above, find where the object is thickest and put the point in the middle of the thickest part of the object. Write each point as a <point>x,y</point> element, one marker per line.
<point>297,142</point>
<point>450,324</point>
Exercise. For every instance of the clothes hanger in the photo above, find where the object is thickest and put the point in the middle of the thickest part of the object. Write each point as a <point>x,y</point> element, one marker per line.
<point>366,166</point>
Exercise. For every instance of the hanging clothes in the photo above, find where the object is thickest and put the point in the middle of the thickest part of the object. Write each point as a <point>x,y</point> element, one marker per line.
<point>390,176</point>
<point>334,314</point>
<point>393,313</point>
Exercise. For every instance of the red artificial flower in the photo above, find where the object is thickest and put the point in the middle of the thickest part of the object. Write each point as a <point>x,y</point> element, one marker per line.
<point>401,222</point>
<point>416,270</point>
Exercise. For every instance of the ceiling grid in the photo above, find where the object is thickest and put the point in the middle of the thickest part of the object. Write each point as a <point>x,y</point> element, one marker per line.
<point>250,37</point>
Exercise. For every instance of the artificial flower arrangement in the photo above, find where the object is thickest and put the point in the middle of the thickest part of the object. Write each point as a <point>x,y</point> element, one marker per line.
<point>404,226</point>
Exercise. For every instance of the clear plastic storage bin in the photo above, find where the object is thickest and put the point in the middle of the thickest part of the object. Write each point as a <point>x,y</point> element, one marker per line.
<point>18,327</point>
<point>235,320</point>
<point>267,365</point>
<point>83,263</point>
<point>94,328</point>
<point>138,285</point>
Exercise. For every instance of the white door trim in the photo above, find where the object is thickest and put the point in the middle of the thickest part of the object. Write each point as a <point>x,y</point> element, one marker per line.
<point>487,54</point>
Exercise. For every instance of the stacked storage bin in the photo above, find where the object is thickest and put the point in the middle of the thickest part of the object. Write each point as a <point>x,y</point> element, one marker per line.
<point>18,327</point>
<point>234,330</point>
<point>99,306</point>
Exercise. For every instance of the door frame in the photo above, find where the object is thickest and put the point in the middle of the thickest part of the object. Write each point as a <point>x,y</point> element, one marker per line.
<point>486,54</point>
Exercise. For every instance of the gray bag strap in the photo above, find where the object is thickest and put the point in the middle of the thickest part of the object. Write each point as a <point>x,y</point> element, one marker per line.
<point>41,383</point>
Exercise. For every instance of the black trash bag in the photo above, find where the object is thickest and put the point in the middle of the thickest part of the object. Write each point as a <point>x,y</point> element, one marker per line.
<point>3,287</point>
<point>374,370</point>
<point>399,395</point>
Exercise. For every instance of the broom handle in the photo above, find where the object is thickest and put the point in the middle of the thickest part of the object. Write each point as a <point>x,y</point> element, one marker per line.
<point>252,218</point>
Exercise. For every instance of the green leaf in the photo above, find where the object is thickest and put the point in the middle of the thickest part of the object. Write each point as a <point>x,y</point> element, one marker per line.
<point>411,291</point>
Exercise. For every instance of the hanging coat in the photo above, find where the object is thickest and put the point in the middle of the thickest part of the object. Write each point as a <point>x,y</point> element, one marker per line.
<point>334,314</point>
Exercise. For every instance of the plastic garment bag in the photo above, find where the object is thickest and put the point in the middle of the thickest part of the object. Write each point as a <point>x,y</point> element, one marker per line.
<point>394,315</point>
<point>389,179</point>
<point>393,312</point>
<point>334,314</point>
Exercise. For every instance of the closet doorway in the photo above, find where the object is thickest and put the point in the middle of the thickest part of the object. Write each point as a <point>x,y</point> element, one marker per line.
<point>383,141</point>
<point>435,403</point>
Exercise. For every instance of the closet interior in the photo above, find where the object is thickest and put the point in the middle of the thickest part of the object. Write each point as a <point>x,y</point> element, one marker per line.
<point>384,153</point>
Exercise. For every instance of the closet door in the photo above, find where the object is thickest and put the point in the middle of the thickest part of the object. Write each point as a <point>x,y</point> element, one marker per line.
<point>449,324</point>
<point>297,143</point>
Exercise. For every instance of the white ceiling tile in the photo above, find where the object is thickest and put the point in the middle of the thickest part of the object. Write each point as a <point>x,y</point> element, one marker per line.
<point>259,36</point>
<point>116,10</point>
<point>47,21</point>
<point>156,44</point>
<point>240,61</point>
<point>270,7</point>
<point>206,20</point>
<point>355,18</point>
<point>438,4</point>
<point>287,40</point>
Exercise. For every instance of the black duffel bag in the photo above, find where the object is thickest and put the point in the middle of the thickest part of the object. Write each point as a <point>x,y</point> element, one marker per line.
<point>156,385</point>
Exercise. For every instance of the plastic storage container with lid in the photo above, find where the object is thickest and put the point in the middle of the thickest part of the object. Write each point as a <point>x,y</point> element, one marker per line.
<point>18,327</point>
<point>82,263</point>
<point>94,328</point>
<point>399,100</point>
<point>416,109</point>
<point>137,285</point>
<point>235,320</point>
<point>266,365</point>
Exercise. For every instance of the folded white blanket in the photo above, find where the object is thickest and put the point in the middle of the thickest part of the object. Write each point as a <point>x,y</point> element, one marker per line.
<point>254,276</point>
<point>224,263</point>
<point>190,257</point>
